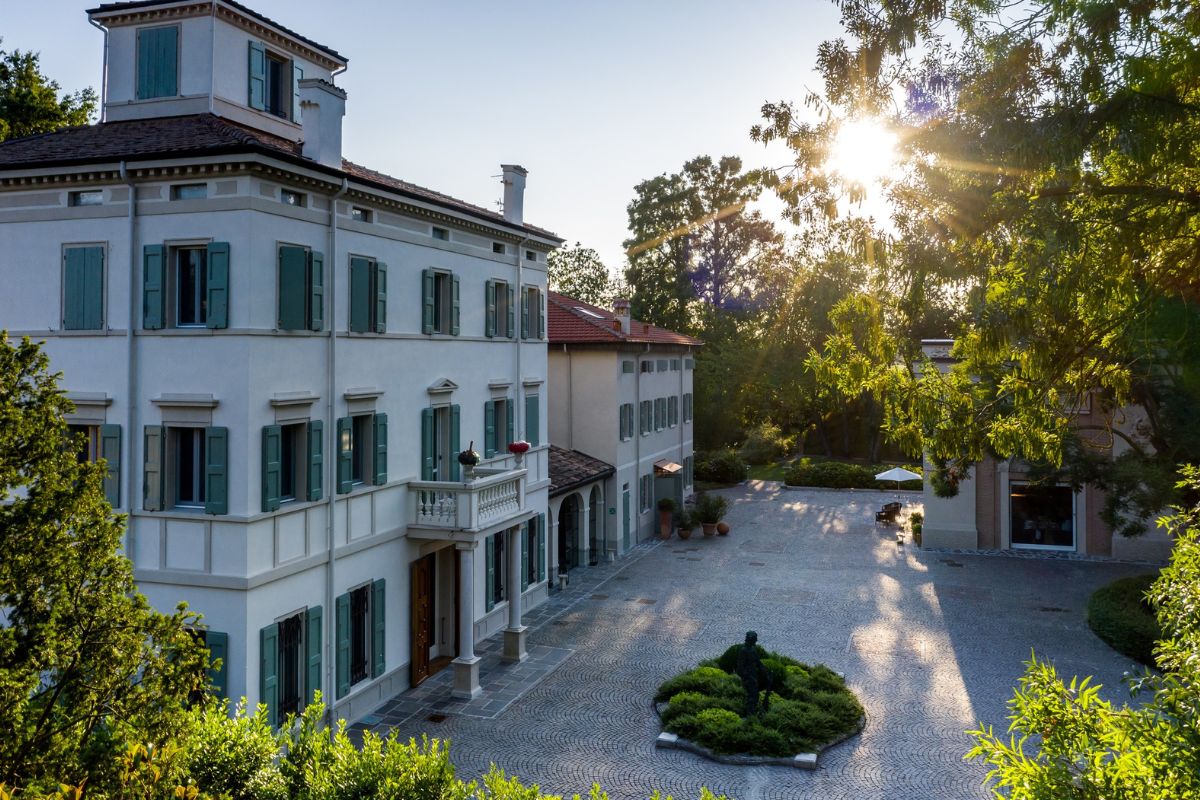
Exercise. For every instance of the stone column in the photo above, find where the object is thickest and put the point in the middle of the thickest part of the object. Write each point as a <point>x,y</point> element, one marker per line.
<point>514,634</point>
<point>466,666</point>
<point>585,530</point>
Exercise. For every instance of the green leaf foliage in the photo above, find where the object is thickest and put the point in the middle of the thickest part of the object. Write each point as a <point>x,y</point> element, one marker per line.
<point>1120,614</point>
<point>88,671</point>
<point>30,102</point>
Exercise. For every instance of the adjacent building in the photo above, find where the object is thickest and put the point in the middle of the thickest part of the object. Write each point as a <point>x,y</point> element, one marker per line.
<point>280,352</point>
<point>623,395</point>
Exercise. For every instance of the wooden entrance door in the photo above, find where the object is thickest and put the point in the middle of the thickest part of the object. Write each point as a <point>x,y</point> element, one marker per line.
<point>422,616</point>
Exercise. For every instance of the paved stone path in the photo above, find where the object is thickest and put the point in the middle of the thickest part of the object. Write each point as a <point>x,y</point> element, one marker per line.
<point>931,643</point>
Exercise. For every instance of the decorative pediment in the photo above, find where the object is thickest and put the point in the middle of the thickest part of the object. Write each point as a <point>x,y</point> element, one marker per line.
<point>443,386</point>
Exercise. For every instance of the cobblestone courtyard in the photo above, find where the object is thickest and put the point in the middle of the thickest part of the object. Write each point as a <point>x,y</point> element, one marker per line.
<point>930,642</point>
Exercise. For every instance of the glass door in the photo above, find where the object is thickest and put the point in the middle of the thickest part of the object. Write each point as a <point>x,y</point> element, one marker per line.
<point>1042,517</point>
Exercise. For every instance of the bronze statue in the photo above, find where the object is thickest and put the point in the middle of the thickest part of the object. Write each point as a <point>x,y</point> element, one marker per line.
<point>754,675</point>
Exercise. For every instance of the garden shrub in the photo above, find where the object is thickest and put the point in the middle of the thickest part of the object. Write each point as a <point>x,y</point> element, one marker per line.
<point>840,475</point>
<point>1120,615</point>
<point>720,466</point>
<point>764,444</point>
<point>233,756</point>
<point>809,707</point>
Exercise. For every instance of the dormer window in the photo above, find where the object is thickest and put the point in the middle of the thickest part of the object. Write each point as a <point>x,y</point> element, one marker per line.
<point>158,62</point>
<point>274,83</point>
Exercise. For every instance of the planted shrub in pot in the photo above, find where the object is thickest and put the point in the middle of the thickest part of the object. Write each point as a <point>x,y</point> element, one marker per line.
<point>469,459</point>
<point>687,523</point>
<point>711,508</point>
<point>666,508</point>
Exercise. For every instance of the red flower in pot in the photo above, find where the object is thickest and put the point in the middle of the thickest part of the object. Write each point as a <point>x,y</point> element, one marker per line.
<point>518,448</point>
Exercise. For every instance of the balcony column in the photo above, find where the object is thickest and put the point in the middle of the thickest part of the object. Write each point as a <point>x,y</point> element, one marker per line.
<point>514,634</point>
<point>585,532</point>
<point>466,666</point>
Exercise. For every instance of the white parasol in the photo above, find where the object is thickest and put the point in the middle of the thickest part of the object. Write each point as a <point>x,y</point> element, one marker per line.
<point>898,474</point>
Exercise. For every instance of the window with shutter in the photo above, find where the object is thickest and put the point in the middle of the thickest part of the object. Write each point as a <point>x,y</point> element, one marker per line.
<point>152,467</point>
<point>533,418</point>
<point>83,288</point>
<point>218,661</point>
<point>489,561</point>
<point>345,454</point>
<point>216,470</point>
<point>379,439</point>
<point>313,643</point>
<point>268,671</point>
<point>154,280</point>
<point>158,62</point>
<point>272,447</point>
<point>110,451</point>
<point>378,629</point>
<point>455,442</point>
<point>315,439</point>
<point>342,644</point>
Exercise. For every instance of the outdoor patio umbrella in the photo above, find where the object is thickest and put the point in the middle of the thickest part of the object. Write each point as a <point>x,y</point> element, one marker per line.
<point>898,474</point>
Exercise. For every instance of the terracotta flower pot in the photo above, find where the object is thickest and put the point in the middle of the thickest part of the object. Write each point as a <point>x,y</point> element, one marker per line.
<point>664,524</point>
<point>723,528</point>
<point>710,528</point>
<point>685,533</point>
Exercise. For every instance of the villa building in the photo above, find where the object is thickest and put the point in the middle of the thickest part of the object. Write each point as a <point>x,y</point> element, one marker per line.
<point>280,353</point>
<point>998,507</point>
<point>622,394</point>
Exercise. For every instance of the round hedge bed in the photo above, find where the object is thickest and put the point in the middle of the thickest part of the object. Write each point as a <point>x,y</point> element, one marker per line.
<point>810,707</point>
<point>1120,615</point>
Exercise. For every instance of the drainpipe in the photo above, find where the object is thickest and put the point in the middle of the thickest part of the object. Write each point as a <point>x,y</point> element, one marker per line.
<point>104,77</point>
<point>637,445</point>
<point>570,398</point>
<point>327,627</point>
<point>212,57</point>
<point>131,352</point>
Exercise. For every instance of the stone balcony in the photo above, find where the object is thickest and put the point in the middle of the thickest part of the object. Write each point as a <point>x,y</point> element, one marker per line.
<point>491,499</point>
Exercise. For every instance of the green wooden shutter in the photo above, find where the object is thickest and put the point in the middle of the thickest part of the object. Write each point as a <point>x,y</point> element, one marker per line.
<point>218,650</point>
<point>380,297</point>
<point>258,76</point>
<point>489,294</point>
<point>272,454</point>
<point>312,652</point>
<point>489,559</point>
<point>511,330</point>
<point>152,468</point>
<point>268,671</point>
<point>541,536</point>
<point>524,314</point>
<point>455,442</point>
<point>218,286</point>
<point>110,451</point>
<point>428,281</point>
<point>541,316</point>
<point>379,439</point>
<point>532,418</point>
<point>509,409</point>
<point>316,458</point>
<point>524,555</point>
<point>454,306</point>
<point>158,62</point>
<point>489,429</point>
<point>345,445</point>
<point>360,295</point>
<point>378,629</point>
<point>293,287</point>
<point>83,288</point>
<point>427,465</point>
<point>216,470</point>
<point>154,282</point>
<point>297,76</point>
<point>343,644</point>
<point>316,305</point>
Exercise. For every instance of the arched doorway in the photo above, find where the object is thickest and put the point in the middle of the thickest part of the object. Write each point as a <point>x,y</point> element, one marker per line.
<point>594,522</point>
<point>568,533</point>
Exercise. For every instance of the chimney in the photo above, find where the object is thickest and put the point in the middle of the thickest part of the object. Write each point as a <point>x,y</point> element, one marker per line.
<point>621,310</point>
<point>323,105</point>
<point>514,192</point>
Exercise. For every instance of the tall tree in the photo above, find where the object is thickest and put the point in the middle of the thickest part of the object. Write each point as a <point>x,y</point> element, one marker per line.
<point>30,102</point>
<point>87,668</point>
<point>1049,179</point>
<point>695,249</point>
<point>578,272</point>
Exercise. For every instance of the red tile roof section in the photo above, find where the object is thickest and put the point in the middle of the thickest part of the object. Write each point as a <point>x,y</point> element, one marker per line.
<point>571,468</point>
<point>568,323</point>
<point>203,135</point>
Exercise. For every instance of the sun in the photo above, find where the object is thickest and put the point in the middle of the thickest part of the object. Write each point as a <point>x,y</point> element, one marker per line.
<point>863,152</point>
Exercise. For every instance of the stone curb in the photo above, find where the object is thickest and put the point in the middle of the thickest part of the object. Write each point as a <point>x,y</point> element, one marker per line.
<point>673,741</point>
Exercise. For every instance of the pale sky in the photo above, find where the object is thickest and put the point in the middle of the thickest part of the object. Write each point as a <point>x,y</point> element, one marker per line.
<point>591,97</point>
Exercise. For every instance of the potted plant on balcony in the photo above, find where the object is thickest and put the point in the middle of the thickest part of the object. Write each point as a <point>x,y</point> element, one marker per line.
<point>711,508</point>
<point>469,459</point>
<point>519,448</point>
<point>666,508</point>
<point>688,521</point>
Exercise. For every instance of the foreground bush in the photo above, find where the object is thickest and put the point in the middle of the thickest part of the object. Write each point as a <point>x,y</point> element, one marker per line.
<point>839,475</point>
<point>764,444</point>
<point>721,466</point>
<point>810,706</point>
<point>1120,615</point>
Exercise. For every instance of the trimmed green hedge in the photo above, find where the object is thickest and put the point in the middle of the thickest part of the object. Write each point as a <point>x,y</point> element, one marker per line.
<point>1120,615</point>
<point>840,475</point>
<point>720,466</point>
<point>810,706</point>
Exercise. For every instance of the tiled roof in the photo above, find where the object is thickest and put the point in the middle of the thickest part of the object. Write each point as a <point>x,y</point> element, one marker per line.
<point>134,5</point>
<point>572,321</point>
<point>571,468</point>
<point>204,135</point>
